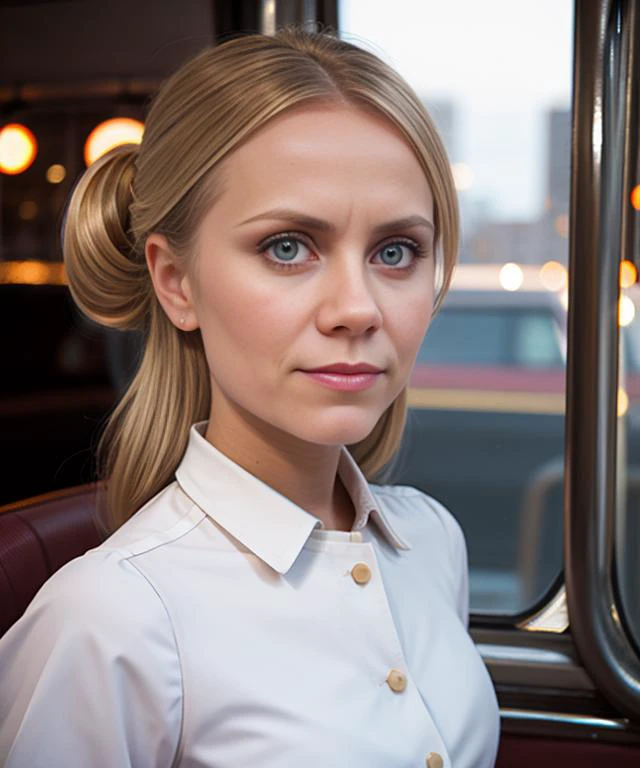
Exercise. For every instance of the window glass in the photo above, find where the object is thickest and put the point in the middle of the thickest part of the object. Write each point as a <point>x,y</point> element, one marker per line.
<point>486,426</point>
<point>467,337</point>
<point>536,342</point>
<point>628,458</point>
<point>493,337</point>
<point>631,333</point>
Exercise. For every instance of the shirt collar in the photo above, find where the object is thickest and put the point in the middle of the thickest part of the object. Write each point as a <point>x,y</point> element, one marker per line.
<point>260,518</point>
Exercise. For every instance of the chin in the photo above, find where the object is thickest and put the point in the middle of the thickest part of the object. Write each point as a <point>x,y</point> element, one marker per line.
<point>337,429</point>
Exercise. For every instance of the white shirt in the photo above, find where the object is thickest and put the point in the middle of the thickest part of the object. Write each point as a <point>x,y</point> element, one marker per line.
<point>223,627</point>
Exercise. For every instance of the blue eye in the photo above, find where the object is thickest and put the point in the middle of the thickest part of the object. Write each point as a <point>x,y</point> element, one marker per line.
<point>397,254</point>
<point>392,254</point>
<point>285,250</point>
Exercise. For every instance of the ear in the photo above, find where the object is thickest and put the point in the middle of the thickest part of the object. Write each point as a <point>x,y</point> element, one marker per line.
<point>171,283</point>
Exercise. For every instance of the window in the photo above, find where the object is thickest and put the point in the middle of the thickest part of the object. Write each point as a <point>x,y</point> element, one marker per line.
<point>486,427</point>
<point>492,337</point>
<point>536,342</point>
<point>467,337</point>
<point>628,490</point>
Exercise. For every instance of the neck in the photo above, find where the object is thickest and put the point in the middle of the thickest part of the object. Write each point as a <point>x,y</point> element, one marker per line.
<point>306,473</point>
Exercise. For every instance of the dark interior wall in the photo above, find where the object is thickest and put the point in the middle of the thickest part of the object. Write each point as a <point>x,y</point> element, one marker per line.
<point>56,61</point>
<point>66,41</point>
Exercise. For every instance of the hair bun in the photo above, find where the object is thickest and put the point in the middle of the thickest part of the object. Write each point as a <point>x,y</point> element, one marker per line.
<point>107,276</point>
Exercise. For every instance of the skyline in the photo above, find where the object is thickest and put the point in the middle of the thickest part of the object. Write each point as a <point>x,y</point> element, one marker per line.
<point>501,102</point>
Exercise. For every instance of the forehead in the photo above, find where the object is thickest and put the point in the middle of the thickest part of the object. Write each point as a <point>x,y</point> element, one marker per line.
<point>332,156</point>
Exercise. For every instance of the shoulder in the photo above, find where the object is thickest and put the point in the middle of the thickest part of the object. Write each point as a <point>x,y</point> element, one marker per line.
<point>108,582</point>
<point>103,600</point>
<point>434,535</point>
<point>95,643</point>
<point>411,506</point>
<point>168,516</point>
<point>108,589</point>
<point>100,597</point>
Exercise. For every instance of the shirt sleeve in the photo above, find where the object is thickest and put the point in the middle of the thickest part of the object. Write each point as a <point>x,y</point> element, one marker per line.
<point>90,675</point>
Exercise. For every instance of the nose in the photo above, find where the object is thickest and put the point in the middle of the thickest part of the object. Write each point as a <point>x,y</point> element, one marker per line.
<point>349,305</point>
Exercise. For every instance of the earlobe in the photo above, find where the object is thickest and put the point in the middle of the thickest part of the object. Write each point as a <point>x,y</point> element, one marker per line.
<point>170,282</point>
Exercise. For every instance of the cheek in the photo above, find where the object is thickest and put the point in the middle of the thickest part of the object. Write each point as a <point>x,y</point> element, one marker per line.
<point>244,321</point>
<point>409,324</point>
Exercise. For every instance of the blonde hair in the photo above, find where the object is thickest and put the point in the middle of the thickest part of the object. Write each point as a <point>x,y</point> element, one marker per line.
<point>200,115</point>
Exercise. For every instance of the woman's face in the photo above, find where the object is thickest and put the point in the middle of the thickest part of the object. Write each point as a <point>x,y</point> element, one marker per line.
<point>318,254</point>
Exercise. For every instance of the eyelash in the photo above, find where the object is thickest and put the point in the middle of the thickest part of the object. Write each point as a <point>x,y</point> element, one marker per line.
<point>419,251</point>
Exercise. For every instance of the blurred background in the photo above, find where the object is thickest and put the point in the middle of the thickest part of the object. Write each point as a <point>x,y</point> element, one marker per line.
<point>486,429</point>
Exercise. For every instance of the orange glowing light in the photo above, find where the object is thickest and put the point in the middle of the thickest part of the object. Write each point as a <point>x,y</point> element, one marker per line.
<point>32,273</point>
<point>628,274</point>
<point>553,276</point>
<point>635,197</point>
<point>56,173</point>
<point>112,133</point>
<point>18,148</point>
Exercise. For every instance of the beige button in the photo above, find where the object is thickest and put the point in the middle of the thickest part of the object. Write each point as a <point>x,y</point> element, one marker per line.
<point>361,573</point>
<point>396,680</point>
<point>434,760</point>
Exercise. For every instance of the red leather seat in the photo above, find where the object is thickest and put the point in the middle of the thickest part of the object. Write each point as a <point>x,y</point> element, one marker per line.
<point>38,536</point>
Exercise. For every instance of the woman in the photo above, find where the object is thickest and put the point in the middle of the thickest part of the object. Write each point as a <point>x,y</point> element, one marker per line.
<point>275,237</point>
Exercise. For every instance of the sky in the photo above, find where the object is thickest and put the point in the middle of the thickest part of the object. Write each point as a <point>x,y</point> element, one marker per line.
<point>502,62</point>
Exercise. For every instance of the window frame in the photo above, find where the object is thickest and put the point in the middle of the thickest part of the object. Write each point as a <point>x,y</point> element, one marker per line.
<point>601,153</point>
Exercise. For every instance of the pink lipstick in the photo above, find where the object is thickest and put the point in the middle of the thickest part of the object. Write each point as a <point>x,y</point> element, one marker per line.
<point>345,377</point>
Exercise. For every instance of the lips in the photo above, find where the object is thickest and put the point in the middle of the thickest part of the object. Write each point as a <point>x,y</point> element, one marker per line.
<point>345,377</point>
<point>345,369</point>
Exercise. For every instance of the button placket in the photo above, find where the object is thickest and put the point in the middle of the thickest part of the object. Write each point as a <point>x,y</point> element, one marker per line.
<point>385,619</point>
<point>362,574</point>
<point>394,674</point>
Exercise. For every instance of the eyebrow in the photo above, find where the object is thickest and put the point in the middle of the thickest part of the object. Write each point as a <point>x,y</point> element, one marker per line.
<point>311,222</point>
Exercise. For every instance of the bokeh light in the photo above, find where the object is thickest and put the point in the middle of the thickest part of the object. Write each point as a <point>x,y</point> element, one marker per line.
<point>18,148</point>
<point>626,311</point>
<point>628,274</point>
<point>635,197</point>
<point>463,176</point>
<point>56,173</point>
<point>511,277</point>
<point>623,402</point>
<point>553,276</point>
<point>112,133</point>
